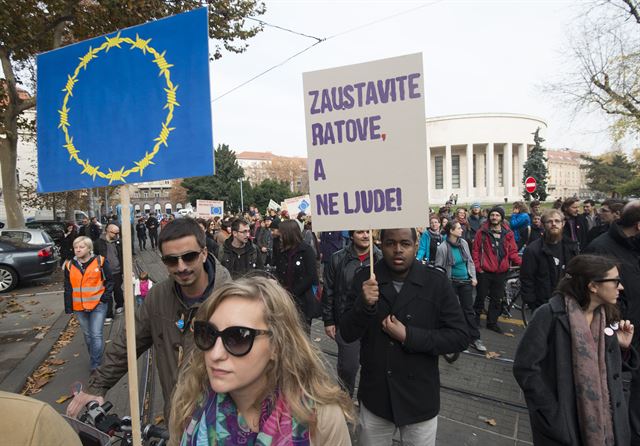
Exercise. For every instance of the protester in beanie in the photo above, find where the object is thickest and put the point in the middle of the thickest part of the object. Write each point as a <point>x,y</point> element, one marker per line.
<point>247,387</point>
<point>569,360</point>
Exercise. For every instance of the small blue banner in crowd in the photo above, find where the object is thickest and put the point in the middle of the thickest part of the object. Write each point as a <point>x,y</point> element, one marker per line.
<point>132,106</point>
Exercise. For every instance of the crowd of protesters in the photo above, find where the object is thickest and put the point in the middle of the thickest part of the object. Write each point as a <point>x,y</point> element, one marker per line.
<point>458,264</point>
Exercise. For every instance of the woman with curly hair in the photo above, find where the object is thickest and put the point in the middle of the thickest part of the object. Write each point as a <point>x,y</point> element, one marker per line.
<point>243,385</point>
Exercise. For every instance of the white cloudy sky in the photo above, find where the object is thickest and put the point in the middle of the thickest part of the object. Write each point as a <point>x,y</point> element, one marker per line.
<point>479,56</point>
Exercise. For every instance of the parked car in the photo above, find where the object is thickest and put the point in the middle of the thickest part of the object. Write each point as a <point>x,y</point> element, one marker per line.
<point>54,228</point>
<point>28,235</point>
<point>20,261</point>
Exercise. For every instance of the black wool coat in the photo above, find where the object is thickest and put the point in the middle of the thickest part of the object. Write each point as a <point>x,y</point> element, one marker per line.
<point>305,275</point>
<point>544,370</point>
<point>400,382</point>
<point>538,273</point>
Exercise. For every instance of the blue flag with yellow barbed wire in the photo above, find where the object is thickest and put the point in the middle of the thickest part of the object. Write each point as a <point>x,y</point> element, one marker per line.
<point>129,107</point>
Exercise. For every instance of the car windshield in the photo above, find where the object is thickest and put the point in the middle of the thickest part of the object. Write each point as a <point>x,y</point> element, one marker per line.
<point>22,236</point>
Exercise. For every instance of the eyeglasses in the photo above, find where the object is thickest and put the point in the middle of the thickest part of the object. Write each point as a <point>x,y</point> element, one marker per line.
<point>616,280</point>
<point>246,231</point>
<point>238,341</point>
<point>187,257</point>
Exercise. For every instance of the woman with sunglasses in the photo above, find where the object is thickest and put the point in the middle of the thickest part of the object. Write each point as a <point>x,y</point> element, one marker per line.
<point>296,271</point>
<point>243,385</point>
<point>570,358</point>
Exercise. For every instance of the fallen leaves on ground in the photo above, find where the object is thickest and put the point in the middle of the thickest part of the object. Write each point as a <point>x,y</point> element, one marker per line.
<point>492,355</point>
<point>32,302</point>
<point>42,331</point>
<point>489,421</point>
<point>63,398</point>
<point>45,372</point>
<point>511,335</point>
<point>13,307</point>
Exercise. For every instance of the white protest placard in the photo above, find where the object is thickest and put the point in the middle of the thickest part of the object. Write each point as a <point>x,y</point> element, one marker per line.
<point>273,205</point>
<point>366,144</point>
<point>209,208</point>
<point>296,205</point>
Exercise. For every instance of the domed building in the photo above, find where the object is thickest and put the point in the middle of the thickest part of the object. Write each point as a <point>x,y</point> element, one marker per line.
<point>479,157</point>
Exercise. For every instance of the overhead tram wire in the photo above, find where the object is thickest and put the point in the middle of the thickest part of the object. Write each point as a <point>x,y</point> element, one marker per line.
<point>318,41</point>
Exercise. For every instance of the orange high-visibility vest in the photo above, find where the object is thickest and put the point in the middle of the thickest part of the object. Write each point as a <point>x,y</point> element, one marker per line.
<point>88,287</point>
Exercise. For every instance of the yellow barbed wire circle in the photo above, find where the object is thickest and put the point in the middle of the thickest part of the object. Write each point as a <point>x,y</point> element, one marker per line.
<point>64,124</point>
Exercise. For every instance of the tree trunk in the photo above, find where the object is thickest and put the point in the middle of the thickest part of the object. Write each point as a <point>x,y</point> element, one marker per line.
<point>8,166</point>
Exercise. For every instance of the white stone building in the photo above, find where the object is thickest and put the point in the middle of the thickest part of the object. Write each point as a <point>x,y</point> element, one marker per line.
<point>479,157</point>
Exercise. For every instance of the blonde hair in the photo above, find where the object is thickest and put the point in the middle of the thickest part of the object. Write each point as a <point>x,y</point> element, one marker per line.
<point>83,239</point>
<point>301,378</point>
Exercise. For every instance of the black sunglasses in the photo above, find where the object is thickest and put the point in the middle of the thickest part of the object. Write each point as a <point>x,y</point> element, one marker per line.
<point>616,280</point>
<point>238,341</point>
<point>188,257</point>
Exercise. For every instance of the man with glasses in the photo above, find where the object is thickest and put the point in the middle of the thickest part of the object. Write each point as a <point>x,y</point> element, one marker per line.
<point>544,260</point>
<point>608,213</point>
<point>238,253</point>
<point>622,242</point>
<point>110,247</point>
<point>164,318</point>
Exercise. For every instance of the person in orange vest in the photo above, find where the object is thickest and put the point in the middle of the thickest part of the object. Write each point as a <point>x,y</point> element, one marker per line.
<point>87,289</point>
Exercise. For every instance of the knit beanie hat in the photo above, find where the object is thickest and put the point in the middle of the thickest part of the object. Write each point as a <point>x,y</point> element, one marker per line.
<point>497,209</point>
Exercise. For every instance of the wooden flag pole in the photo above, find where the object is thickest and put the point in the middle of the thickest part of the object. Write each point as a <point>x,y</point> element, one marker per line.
<point>370,253</point>
<point>129,314</point>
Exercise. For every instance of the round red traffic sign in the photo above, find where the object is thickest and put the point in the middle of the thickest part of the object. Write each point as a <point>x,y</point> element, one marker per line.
<point>530,185</point>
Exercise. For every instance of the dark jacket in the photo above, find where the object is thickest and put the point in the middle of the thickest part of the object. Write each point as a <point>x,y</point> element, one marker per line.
<point>485,257</point>
<point>330,242</point>
<point>156,326</point>
<point>68,289</point>
<point>338,278</point>
<point>543,368</point>
<point>596,232</point>
<point>475,222</point>
<point>581,230</point>
<point>66,246</point>
<point>239,261</point>
<point>305,275</point>
<point>141,230</point>
<point>100,247</point>
<point>401,382</point>
<point>94,232</point>
<point>538,273</point>
<point>152,225</point>
<point>626,251</point>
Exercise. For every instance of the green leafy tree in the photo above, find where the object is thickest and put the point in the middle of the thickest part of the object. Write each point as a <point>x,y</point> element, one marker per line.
<point>224,185</point>
<point>30,27</point>
<point>536,167</point>
<point>270,190</point>
<point>609,173</point>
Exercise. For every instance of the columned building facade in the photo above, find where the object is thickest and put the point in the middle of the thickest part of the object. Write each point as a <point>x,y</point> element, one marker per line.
<point>479,157</point>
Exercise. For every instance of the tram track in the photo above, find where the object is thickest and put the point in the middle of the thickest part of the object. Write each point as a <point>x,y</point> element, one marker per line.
<point>455,390</point>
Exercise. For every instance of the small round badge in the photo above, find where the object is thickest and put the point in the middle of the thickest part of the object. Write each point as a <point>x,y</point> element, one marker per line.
<point>298,263</point>
<point>608,331</point>
<point>614,326</point>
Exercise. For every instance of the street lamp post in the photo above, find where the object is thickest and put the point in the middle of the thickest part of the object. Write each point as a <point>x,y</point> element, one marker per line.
<point>241,196</point>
